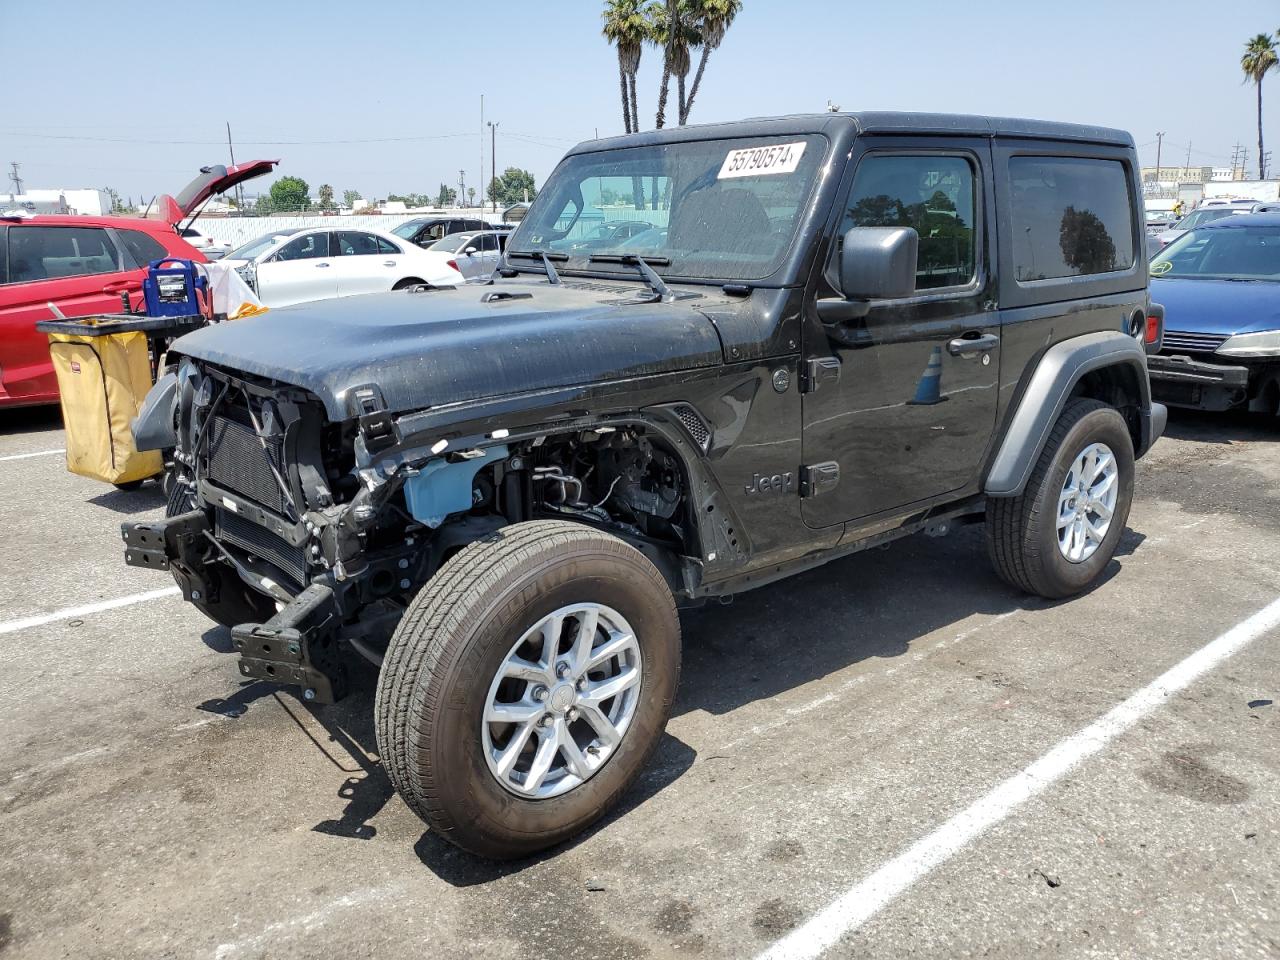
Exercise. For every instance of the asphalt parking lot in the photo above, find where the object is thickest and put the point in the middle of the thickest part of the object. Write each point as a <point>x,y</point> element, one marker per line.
<point>153,804</point>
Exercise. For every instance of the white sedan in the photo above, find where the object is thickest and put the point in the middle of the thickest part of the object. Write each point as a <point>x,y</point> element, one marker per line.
<point>294,266</point>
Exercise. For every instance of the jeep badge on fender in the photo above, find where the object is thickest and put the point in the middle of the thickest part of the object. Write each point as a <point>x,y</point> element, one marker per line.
<point>778,483</point>
<point>500,493</point>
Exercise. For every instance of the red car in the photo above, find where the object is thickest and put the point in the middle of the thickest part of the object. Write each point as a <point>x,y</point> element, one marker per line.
<point>82,265</point>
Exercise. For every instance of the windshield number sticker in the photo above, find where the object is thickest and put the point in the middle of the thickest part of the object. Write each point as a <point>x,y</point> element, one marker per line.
<point>762,161</point>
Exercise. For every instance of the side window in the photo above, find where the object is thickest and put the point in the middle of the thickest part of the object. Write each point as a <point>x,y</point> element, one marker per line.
<point>353,244</point>
<point>1072,217</point>
<point>932,194</point>
<point>309,246</point>
<point>386,246</point>
<point>435,232</point>
<point>4,254</point>
<point>47,253</point>
<point>485,243</point>
<point>141,247</point>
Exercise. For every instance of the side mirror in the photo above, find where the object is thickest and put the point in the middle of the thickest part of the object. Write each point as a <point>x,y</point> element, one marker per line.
<point>879,263</point>
<point>469,251</point>
<point>876,263</point>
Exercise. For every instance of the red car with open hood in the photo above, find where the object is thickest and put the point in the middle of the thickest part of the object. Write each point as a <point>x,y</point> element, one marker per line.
<point>82,265</point>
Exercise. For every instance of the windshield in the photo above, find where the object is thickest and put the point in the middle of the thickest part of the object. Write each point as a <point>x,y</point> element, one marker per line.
<point>407,230</point>
<point>255,248</point>
<point>1200,217</point>
<point>1223,253</point>
<point>720,209</point>
<point>451,244</point>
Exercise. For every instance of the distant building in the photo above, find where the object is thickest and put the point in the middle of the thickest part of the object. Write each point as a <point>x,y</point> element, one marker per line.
<point>87,202</point>
<point>1178,174</point>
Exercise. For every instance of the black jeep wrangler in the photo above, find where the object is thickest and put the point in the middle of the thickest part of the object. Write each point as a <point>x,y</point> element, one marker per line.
<point>838,330</point>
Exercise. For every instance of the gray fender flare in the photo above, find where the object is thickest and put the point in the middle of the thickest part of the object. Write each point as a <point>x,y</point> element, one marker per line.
<point>153,428</point>
<point>1059,370</point>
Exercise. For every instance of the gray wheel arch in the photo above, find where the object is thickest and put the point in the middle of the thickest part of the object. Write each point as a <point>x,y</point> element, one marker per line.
<point>1060,371</point>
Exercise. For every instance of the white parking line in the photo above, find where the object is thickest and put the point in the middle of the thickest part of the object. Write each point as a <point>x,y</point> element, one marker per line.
<point>27,456</point>
<point>13,626</point>
<point>865,899</point>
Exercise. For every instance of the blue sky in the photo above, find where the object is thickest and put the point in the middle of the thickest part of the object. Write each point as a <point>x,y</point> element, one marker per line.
<point>164,77</point>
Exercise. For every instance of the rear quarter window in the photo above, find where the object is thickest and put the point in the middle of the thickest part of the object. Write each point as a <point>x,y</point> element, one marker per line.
<point>142,247</point>
<point>1072,216</point>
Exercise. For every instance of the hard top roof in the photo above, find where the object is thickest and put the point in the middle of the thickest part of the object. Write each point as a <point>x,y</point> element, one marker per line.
<point>873,122</point>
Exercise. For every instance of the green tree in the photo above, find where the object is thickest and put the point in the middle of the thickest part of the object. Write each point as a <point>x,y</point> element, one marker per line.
<point>350,198</point>
<point>289,194</point>
<point>117,205</point>
<point>626,28</point>
<point>714,18</point>
<point>325,196</point>
<point>446,197</point>
<point>471,195</point>
<point>512,186</point>
<point>1258,59</point>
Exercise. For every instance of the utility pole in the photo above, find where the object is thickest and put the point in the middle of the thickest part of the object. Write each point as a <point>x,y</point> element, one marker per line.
<point>1159,144</point>
<point>493,160</point>
<point>462,188</point>
<point>1266,162</point>
<point>480,172</point>
<point>239,187</point>
<point>1187,164</point>
<point>13,175</point>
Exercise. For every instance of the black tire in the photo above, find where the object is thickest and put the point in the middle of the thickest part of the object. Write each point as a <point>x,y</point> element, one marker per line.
<point>408,282</point>
<point>447,650</point>
<point>236,602</point>
<point>1022,536</point>
<point>129,486</point>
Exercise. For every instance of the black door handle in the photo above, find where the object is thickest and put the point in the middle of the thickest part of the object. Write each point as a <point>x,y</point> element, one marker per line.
<point>965,346</point>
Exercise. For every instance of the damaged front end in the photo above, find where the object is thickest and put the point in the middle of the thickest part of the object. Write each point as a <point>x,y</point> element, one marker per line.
<point>309,537</point>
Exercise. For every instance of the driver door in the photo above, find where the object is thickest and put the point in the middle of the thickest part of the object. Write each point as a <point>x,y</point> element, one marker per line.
<point>299,271</point>
<point>903,414</point>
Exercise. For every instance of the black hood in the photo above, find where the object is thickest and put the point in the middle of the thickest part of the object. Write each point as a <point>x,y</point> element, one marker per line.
<point>449,346</point>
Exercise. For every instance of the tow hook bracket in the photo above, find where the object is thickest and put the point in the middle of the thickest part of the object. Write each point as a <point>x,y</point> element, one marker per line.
<point>153,545</point>
<point>298,645</point>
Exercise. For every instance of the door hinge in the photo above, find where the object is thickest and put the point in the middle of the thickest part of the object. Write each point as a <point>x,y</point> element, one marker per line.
<point>817,478</point>
<point>817,371</point>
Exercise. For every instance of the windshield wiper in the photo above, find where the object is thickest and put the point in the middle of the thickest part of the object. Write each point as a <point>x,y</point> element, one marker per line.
<point>660,289</point>
<point>552,277</point>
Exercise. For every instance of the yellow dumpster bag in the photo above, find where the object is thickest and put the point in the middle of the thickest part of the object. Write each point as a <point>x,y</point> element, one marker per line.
<point>103,381</point>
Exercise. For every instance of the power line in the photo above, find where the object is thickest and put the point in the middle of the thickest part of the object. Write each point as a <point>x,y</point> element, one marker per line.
<point>251,143</point>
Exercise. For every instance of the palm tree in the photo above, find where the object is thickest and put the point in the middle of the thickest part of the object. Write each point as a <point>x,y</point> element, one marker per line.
<point>715,17</point>
<point>626,28</point>
<point>671,27</point>
<point>1259,57</point>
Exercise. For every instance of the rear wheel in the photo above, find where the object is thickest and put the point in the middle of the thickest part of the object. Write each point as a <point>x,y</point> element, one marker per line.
<point>408,282</point>
<point>527,686</point>
<point>1056,538</point>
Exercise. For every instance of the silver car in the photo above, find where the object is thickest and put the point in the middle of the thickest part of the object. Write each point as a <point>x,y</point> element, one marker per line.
<point>1200,216</point>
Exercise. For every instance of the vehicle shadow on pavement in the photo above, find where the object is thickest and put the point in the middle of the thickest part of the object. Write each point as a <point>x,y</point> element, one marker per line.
<point>148,497</point>
<point>1231,427</point>
<point>871,605</point>
<point>30,419</point>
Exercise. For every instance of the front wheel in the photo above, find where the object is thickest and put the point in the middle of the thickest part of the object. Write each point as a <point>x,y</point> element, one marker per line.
<point>527,686</point>
<point>1058,535</point>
